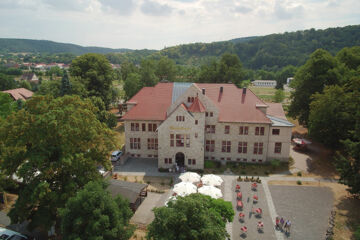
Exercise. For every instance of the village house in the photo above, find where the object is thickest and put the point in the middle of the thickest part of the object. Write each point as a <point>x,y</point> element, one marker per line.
<point>30,77</point>
<point>19,93</point>
<point>187,123</point>
<point>264,83</point>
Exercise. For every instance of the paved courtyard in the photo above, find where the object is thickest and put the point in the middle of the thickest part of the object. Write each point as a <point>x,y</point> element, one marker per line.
<point>308,208</point>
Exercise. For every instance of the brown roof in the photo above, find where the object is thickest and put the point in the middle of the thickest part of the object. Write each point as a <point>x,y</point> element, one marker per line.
<point>19,93</point>
<point>27,76</point>
<point>276,110</point>
<point>233,105</point>
<point>129,190</point>
<point>196,106</point>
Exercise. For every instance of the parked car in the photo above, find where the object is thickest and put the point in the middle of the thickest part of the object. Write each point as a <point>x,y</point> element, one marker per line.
<point>6,234</point>
<point>115,155</point>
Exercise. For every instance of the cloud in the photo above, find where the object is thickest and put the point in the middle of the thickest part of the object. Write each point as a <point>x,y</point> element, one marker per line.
<point>284,11</point>
<point>243,9</point>
<point>121,7</point>
<point>153,8</point>
<point>14,4</point>
<point>69,5</point>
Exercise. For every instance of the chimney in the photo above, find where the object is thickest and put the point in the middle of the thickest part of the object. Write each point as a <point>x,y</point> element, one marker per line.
<point>221,89</point>
<point>244,90</point>
<point>203,91</point>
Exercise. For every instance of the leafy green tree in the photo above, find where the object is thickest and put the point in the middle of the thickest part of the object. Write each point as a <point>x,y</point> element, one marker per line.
<point>350,57</point>
<point>209,72</point>
<point>132,85</point>
<point>284,74</point>
<point>279,96</point>
<point>7,105</point>
<point>166,69</point>
<point>320,70</point>
<point>54,146</point>
<point>65,87</point>
<point>102,115</point>
<point>126,69</point>
<point>230,69</point>
<point>95,72</point>
<point>192,217</point>
<point>51,88</point>
<point>147,73</point>
<point>6,82</point>
<point>93,214</point>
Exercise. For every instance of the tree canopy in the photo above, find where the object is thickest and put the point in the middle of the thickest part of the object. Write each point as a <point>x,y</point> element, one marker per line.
<point>7,105</point>
<point>193,217</point>
<point>54,146</point>
<point>95,72</point>
<point>93,214</point>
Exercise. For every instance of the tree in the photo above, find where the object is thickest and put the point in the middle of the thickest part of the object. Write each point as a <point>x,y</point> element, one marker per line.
<point>132,85</point>
<point>209,72</point>
<point>230,69</point>
<point>7,105</point>
<point>93,214</point>
<point>102,115</point>
<point>95,72</point>
<point>126,69</point>
<point>24,84</point>
<point>279,96</point>
<point>51,88</point>
<point>193,217</point>
<point>283,75</point>
<point>54,146</point>
<point>166,69</point>
<point>6,82</point>
<point>147,72</point>
<point>320,70</point>
<point>65,87</point>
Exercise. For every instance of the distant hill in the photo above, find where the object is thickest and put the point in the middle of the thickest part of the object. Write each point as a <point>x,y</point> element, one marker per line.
<point>271,51</point>
<point>12,45</point>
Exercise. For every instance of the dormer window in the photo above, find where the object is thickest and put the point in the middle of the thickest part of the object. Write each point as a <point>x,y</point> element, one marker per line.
<point>190,99</point>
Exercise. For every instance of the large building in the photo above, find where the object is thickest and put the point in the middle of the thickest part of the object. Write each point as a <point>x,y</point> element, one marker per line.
<point>264,83</point>
<point>187,123</point>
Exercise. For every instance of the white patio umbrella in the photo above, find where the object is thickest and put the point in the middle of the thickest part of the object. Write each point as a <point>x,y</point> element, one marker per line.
<point>212,180</point>
<point>211,191</point>
<point>184,188</point>
<point>190,177</point>
<point>171,198</point>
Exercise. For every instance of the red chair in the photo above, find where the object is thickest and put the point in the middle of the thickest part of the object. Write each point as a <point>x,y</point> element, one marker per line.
<point>260,226</point>
<point>243,230</point>
<point>255,198</point>
<point>239,195</point>
<point>254,186</point>
<point>258,212</point>
<point>237,188</point>
<point>240,204</point>
<point>241,217</point>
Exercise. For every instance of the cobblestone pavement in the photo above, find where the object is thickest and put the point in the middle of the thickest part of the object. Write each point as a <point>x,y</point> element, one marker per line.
<point>250,220</point>
<point>308,208</point>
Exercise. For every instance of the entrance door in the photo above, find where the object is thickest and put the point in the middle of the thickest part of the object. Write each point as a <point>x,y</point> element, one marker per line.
<point>180,159</point>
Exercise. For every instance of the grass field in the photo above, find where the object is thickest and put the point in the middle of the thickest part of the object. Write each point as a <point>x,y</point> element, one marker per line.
<point>267,94</point>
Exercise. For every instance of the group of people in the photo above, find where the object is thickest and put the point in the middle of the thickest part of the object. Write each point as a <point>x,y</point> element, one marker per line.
<point>283,225</point>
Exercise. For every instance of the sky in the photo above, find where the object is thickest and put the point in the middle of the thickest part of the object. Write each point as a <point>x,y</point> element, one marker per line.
<point>155,24</point>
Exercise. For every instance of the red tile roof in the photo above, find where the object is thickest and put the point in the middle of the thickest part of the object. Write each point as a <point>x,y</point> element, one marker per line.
<point>276,110</point>
<point>19,93</point>
<point>151,103</point>
<point>196,106</point>
<point>234,106</point>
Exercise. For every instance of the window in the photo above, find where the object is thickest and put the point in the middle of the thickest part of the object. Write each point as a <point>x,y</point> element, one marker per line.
<point>171,140</point>
<point>211,114</point>
<point>134,126</point>
<point>180,140</point>
<point>191,99</point>
<point>238,159</point>
<point>210,128</point>
<point>209,145</point>
<point>242,147</point>
<point>187,140</point>
<point>206,158</point>
<point>245,160</point>
<point>206,114</point>
<point>228,159</point>
<point>170,160</point>
<point>189,161</point>
<point>143,127</point>
<point>134,143</point>
<point>196,122</point>
<point>277,147</point>
<point>152,127</point>
<point>243,130</point>
<point>194,161</point>
<point>153,143</point>
<point>276,132</point>
<point>258,148</point>
<point>259,131</point>
<point>150,155</point>
<point>180,118</point>
<point>196,135</point>
<point>227,129</point>
<point>212,158</point>
<point>166,161</point>
<point>226,146</point>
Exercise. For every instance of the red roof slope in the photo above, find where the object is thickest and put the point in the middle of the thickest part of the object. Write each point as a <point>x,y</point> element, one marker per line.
<point>233,105</point>
<point>20,93</point>
<point>276,110</point>
<point>151,103</point>
<point>196,106</point>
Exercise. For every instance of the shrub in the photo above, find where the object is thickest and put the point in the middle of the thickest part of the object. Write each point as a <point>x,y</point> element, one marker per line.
<point>243,172</point>
<point>239,179</point>
<point>299,174</point>
<point>357,233</point>
<point>275,163</point>
<point>299,182</point>
<point>291,161</point>
<point>163,170</point>
<point>267,172</point>
<point>209,164</point>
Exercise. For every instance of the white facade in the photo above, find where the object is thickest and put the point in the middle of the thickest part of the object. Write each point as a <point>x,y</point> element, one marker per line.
<point>264,83</point>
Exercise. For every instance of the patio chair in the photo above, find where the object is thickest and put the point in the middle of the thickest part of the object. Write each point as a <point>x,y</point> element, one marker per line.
<point>241,217</point>
<point>254,186</point>
<point>239,196</point>
<point>237,188</point>
<point>243,231</point>
<point>239,205</point>
<point>255,198</point>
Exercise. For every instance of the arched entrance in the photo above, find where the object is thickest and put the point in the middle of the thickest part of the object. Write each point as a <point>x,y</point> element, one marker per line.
<point>180,159</point>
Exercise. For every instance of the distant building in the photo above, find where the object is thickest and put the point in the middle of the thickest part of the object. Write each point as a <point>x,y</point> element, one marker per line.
<point>19,93</point>
<point>31,77</point>
<point>289,80</point>
<point>264,83</point>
